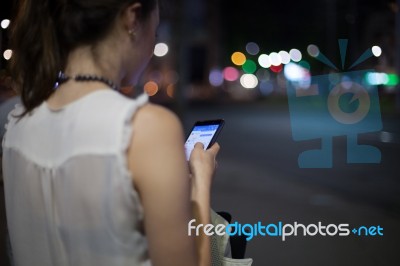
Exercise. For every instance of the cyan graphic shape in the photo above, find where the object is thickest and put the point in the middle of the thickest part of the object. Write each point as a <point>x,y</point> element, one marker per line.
<point>318,158</point>
<point>311,117</point>
<point>343,49</point>
<point>321,57</point>
<point>367,54</point>
<point>348,103</point>
<point>361,153</point>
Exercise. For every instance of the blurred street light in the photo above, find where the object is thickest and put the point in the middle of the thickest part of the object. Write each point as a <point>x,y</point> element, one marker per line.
<point>376,50</point>
<point>161,49</point>
<point>7,54</point>
<point>5,23</point>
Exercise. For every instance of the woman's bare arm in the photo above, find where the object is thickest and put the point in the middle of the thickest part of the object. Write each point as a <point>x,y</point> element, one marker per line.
<point>160,173</point>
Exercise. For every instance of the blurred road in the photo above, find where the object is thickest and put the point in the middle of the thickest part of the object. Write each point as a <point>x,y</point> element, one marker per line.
<point>258,179</point>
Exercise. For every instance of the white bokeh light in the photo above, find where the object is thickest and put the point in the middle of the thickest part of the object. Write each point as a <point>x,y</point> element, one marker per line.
<point>275,59</point>
<point>376,51</point>
<point>297,74</point>
<point>264,61</point>
<point>313,50</point>
<point>248,81</point>
<point>5,23</point>
<point>161,49</point>
<point>285,57</point>
<point>7,54</point>
<point>293,72</point>
<point>376,78</point>
<point>295,55</point>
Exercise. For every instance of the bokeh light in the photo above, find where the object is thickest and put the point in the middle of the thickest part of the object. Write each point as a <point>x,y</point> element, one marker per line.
<point>285,57</point>
<point>151,88</point>
<point>393,80</point>
<point>161,49</point>
<point>376,51</point>
<point>275,59</point>
<point>295,55</point>
<point>249,66</point>
<point>231,74</point>
<point>293,72</point>
<point>5,23</point>
<point>252,48</point>
<point>7,54</point>
<point>127,90</point>
<point>276,69</point>
<point>313,50</point>
<point>266,88</point>
<point>248,81</point>
<point>216,77</point>
<point>171,90</point>
<point>264,61</point>
<point>377,78</point>
<point>238,58</point>
<point>298,74</point>
<point>346,82</point>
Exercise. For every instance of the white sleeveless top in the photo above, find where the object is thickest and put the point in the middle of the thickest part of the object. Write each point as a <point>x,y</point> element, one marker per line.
<point>69,194</point>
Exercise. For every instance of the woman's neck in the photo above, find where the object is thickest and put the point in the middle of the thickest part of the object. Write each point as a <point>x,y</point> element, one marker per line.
<point>88,61</point>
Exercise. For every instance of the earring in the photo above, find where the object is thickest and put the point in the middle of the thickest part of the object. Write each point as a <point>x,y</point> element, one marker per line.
<point>132,33</point>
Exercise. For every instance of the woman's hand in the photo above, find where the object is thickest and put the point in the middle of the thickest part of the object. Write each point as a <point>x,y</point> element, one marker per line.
<point>202,164</point>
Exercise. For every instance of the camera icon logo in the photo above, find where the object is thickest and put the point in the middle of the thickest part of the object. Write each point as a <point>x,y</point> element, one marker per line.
<point>338,104</point>
<point>359,94</point>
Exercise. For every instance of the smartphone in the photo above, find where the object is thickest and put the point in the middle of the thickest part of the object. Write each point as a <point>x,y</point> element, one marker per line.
<point>205,132</point>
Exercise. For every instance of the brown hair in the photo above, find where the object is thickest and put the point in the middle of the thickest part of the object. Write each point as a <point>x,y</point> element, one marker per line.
<point>44,32</point>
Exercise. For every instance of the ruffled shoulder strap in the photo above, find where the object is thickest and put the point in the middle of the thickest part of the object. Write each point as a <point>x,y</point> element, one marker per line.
<point>10,109</point>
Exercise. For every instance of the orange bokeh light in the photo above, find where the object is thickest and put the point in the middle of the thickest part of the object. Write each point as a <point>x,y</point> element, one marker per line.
<point>171,90</point>
<point>151,88</point>
<point>238,58</point>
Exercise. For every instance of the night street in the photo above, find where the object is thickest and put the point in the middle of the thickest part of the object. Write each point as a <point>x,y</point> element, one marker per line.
<point>258,179</point>
<point>308,169</point>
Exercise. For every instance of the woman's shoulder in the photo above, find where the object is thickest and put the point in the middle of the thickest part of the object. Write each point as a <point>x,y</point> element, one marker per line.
<point>158,112</point>
<point>157,140</point>
<point>156,119</point>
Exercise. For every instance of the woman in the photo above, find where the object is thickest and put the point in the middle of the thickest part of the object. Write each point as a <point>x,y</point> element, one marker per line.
<point>91,177</point>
